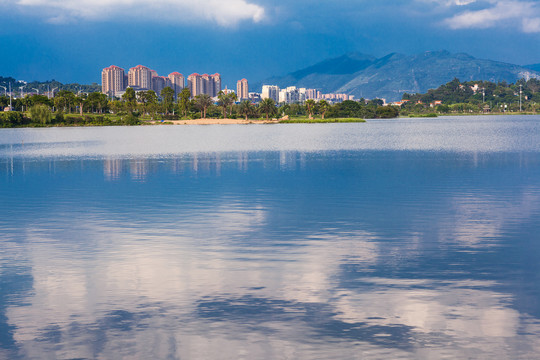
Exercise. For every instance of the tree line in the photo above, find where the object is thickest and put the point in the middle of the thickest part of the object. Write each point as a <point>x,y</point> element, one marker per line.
<point>95,108</point>
<point>43,87</point>
<point>477,96</point>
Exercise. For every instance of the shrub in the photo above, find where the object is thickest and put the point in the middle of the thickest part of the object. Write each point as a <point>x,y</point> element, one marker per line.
<point>59,117</point>
<point>386,112</point>
<point>41,113</point>
<point>11,119</point>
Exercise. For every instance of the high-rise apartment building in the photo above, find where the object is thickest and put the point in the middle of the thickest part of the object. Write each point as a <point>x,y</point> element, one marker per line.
<point>208,87</point>
<point>195,84</point>
<point>216,82</point>
<point>141,77</point>
<point>290,95</point>
<point>242,89</point>
<point>313,94</point>
<point>159,83</point>
<point>204,84</point>
<point>177,82</point>
<point>270,92</point>
<point>113,80</point>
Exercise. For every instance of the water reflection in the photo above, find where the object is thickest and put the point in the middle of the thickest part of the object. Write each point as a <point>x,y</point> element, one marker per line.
<point>271,254</point>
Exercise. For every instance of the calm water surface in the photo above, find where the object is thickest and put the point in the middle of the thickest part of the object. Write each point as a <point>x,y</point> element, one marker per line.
<point>412,239</point>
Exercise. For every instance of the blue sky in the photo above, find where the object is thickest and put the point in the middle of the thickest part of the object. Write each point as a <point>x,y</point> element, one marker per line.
<point>72,40</point>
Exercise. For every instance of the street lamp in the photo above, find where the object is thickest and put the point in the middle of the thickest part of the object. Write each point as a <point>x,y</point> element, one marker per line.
<point>49,91</point>
<point>37,90</point>
<point>5,90</point>
<point>53,95</point>
<point>22,87</point>
<point>520,92</point>
<point>10,94</point>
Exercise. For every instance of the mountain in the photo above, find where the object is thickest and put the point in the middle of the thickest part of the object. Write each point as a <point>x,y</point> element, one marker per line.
<point>535,67</point>
<point>42,87</point>
<point>394,74</point>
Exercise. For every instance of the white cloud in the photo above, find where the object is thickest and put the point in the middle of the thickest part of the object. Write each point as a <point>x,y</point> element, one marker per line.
<point>531,25</point>
<point>501,13</point>
<point>224,13</point>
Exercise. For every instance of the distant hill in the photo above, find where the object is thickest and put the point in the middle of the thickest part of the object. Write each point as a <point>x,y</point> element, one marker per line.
<point>395,74</point>
<point>535,67</point>
<point>42,87</point>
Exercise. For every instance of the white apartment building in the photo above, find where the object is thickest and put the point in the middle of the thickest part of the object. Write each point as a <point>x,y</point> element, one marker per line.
<point>289,95</point>
<point>270,92</point>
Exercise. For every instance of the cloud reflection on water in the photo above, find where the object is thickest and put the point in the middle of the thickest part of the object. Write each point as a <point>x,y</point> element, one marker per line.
<point>178,299</point>
<point>270,255</point>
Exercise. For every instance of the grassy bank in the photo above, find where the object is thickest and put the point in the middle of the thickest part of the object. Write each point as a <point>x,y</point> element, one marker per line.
<point>321,121</point>
<point>508,113</point>
<point>430,115</point>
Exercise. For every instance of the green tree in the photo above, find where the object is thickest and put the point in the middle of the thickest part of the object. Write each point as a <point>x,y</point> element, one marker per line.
<point>117,106</point>
<point>98,101</point>
<point>310,107</point>
<point>184,101</point>
<point>387,112</point>
<point>225,101</point>
<point>267,106</point>
<point>40,99</point>
<point>129,99</point>
<point>148,99</point>
<point>64,99</point>
<point>81,100</point>
<point>167,97</point>
<point>246,108</point>
<point>203,101</point>
<point>233,99</point>
<point>41,113</point>
<point>323,107</point>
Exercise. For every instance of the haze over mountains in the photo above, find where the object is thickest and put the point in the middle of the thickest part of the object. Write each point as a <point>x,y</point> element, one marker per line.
<point>392,75</point>
<point>535,67</point>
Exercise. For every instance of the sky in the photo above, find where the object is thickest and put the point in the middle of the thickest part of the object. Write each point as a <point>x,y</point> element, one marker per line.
<point>73,40</point>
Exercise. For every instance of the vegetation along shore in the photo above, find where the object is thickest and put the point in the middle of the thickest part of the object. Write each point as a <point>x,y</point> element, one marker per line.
<point>68,108</point>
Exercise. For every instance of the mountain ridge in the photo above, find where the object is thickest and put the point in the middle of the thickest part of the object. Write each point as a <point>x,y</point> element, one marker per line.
<point>392,75</point>
<point>535,67</point>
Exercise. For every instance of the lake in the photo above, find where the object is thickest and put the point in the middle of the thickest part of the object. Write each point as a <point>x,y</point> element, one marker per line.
<point>391,239</point>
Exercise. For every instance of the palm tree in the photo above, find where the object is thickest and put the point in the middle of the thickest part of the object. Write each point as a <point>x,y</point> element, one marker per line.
<point>310,107</point>
<point>246,108</point>
<point>225,100</point>
<point>233,98</point>
<point>323,107</point>
<point>267,106</point>
<point>203,101</point>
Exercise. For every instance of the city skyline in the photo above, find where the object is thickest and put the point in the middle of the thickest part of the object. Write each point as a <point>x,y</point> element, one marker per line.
<point>253,39</point>
<point>140,77</point>
<point>115,80</point>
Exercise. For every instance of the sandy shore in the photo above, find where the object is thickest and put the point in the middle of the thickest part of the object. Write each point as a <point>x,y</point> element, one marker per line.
<point>217,122</point>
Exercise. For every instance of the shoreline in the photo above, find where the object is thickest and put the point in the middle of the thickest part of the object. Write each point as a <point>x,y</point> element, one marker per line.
<point>228,121</point>
<point>210,121</point>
